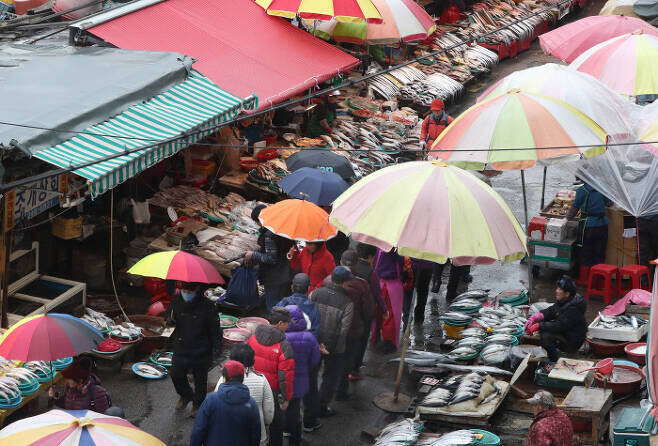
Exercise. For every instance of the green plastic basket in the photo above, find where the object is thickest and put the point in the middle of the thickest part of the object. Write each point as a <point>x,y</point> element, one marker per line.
<point>488,438</point>
<point>226,316</point>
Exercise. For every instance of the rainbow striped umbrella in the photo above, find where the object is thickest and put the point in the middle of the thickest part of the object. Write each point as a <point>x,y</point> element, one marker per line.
<point>73,428</point>
<point>628,64</point>
<point>350,11</point>
<point>433,211</point>
<point>177,265</point>
<point>521,128</point>
<point>403,20</point>
<point>582,91</point>
<point>48,337</point>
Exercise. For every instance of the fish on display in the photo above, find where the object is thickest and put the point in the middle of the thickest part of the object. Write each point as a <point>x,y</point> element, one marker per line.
<point>494,353</point>
<point>473,332</point>
<point>438,397</point>
<point>466,303</point>
<point>504,339</point>
<point>462,352</point>
<point>472,342</point>
<point>456,316</point>
<point>473,294</point>
<point>149,370</point>
<point>405,431</point>
<point>455,438</point>
<point>497,391</point>
<point>621,321</point>
<point>465,368</point>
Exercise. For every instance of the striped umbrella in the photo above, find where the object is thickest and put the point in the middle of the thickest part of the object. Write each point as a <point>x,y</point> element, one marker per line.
<point>582,91</point>
<point>571,40</point>
<point>404,20</point>
<point>628,64</point>
<point>298,220</point>
<point>516,125</point>
<point>177,265</point>
<point>75,427</point>
<point>351,11</point>
<point>432,211</point>
<point>48,337</point>
<point>648,127</point>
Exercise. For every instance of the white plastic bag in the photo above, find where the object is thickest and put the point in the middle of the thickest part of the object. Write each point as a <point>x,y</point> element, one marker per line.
<point>141,213</point>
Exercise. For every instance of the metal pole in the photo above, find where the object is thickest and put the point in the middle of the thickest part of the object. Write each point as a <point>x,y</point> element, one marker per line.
<point>525,213</point>
<point>405,340</point>
<point>543,188</point>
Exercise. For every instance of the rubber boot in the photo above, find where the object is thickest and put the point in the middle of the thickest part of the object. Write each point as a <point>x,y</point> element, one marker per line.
<point>583,276</point>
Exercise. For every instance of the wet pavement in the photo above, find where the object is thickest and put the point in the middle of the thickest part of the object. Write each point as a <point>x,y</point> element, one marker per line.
<point>150,404</point>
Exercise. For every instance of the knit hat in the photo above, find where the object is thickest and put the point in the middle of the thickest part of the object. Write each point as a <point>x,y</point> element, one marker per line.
<point>542,398</point>
<point>78,369</point>
<point>437,104</point>
<point>349,258</point>
<point>341,275</point>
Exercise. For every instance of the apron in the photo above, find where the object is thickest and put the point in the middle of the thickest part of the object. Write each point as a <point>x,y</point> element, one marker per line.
<point>314,127</point>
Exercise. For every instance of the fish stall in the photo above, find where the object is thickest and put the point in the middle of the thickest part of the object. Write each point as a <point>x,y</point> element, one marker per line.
<point>412,431</point>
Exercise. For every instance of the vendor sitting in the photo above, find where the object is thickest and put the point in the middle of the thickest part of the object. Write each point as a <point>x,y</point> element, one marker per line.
<point>562,325</point>
<point>324,115</point>
<point>83,389</point>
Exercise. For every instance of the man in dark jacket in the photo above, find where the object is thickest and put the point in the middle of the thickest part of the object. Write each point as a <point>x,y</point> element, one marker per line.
<point>336,312</point>
<point>358,290</point>
<point>194,342</point>
<point>551,426</point>
<point>274,269</point>
<point>307,356</point>
<point>274,359</point>
<point>299,297</point>
<point>562,325</point>
<point>229,416</point>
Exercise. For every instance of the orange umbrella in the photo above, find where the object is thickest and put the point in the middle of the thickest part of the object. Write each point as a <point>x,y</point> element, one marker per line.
<point>298,220</point>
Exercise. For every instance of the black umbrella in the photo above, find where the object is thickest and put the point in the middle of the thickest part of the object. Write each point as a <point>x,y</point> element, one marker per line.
<point>321,159</point>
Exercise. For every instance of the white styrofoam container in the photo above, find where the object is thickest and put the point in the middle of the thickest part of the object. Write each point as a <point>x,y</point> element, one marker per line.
<point>616,334</point>
<point>555,229</point>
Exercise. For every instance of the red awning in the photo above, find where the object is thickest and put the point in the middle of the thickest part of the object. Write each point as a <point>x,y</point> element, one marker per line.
<point>237,45</point>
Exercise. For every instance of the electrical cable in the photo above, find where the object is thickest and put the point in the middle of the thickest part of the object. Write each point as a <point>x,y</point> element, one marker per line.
<point>187,134</point>
<point>114,287</point>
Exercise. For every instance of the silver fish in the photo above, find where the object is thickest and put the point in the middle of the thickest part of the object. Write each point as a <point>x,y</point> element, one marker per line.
<point>456,316</point>
<point>500,339</point>
<point>473,294</point>
<point>473,342</point>
<point>473,332</point>
<point>462,351</point>
<point>456,438</point>
<point>497,391</point>
<point>463,396</point>
<point>149,370</point>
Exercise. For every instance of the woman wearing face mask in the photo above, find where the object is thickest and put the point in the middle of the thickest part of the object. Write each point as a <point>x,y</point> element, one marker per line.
<point>194,341</point>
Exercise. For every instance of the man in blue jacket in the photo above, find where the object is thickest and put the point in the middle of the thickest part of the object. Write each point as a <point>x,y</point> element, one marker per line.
<point>229,416</point>
<point>300,286</point>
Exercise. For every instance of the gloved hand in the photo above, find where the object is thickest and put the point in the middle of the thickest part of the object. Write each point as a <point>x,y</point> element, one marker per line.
<point>537,317</point>
<point>532,329</point>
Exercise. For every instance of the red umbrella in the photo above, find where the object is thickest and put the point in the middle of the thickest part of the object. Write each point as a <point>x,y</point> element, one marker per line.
<point>652,348</point>
<point>570,41</point>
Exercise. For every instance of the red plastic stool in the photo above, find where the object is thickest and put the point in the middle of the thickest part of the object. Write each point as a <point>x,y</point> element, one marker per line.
<point>606,272</point>
<point>635,272</point>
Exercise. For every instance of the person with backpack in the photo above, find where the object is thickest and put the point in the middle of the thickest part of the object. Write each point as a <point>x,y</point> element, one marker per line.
<point>434,124</point>
<point>83,390</point>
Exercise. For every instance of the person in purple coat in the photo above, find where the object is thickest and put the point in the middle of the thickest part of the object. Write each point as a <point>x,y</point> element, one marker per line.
<point>307,355</point>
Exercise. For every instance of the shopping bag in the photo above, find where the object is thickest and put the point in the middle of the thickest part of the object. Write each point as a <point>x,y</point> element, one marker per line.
<point>242,289</point>
<point>388,324</point>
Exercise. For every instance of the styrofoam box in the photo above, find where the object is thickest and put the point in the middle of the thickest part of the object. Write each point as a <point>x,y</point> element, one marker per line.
<point>616,334</point>
<point>555,229</point>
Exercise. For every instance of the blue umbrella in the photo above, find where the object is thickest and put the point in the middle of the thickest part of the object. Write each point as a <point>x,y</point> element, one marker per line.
<point>315,185</point>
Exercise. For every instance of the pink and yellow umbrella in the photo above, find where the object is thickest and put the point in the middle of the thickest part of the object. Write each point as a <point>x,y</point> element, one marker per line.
<point>628,64</point>
<point>403,20</point>
<point>350,11</point>
<point>75,428</point>
<point>517,129</point>
<point>177,265</point>
<point>48,337</point>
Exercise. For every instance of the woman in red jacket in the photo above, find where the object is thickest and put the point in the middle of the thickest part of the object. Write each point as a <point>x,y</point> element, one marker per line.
<point>315,261</point>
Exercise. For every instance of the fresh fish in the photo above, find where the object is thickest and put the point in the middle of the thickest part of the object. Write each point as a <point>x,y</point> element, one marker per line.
<point>473,342</point>
<point>497,391</point>
<point>505,330</point>
<point>456,438</point>
<point>466,368</point>
<point>456,316</point>
<point>149,370</point>
<point>473,294</point>
<point>621,321</point>
<point>405,431</point>
<point>473,332</point>
<point>466,303</point>
<point>421,362</point>
<point>463,396</point>
<point>500,339</point>
<point>462,352</point>
<point>437,398</point>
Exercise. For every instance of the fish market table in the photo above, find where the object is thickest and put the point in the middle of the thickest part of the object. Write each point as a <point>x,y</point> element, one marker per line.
<point>590,404</point>
<point>114,360</point>
<point>43,388</point>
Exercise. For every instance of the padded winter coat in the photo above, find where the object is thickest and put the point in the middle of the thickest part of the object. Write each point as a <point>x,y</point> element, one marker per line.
<point>316,266</point>
<point>305,348</point>
<point>336,313</point>
<point>273,357</point>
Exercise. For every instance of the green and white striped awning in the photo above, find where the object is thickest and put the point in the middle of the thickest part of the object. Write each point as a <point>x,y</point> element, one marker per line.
<point>194,104</point>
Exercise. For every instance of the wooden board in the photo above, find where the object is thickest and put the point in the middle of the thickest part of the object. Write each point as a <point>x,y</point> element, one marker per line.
<point>561,371</point>
<point>234,179</point>
<point>480,418</point>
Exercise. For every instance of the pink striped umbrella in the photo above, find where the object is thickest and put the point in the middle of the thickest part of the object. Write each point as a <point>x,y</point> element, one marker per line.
<point>177,265</point>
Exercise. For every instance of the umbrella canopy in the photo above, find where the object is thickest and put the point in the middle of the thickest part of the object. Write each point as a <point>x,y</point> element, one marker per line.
<point>321,159</point>
<point>430,210</point>
<point>75,427</point>
<point>652,348</point>
<point>517,125</point>
<point>48,337</point>
<point>581,91</point>
<point>315,185</point>
<point>403,20</point>
<point>298,220</point>
<point>351,11</point>
<point>571,40</point>
<point>648,127</point>
<point>628,64</point>
<point>177,265</point>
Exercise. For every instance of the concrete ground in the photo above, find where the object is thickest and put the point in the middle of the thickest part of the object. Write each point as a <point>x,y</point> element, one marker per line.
<point>150,404</point>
